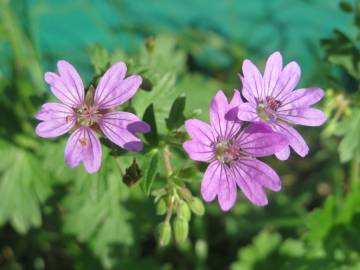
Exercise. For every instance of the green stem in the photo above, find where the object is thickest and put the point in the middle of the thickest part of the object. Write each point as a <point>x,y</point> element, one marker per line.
<point>166,158</point>
<point>118,165</point>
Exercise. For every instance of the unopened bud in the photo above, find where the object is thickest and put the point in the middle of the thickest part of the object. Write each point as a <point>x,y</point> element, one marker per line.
<point>184,211</point>
<point>181,229</point>
<point>161,207</point>
<point>197,206</point>
<point>185,194</point>
<point>164,233</point>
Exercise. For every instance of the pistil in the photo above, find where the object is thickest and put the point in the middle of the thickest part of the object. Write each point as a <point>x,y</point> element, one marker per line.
<point>227,151</point>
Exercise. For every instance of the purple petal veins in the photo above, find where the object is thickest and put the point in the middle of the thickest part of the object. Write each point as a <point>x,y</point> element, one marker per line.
<point>84,117</point>
<point>231,148</point>
<point>271,98</point>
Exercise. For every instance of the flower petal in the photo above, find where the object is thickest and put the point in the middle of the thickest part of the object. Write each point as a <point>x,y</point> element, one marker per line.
<point>218,108</point>
<point>109,81</point>
<point>232,113</point>
<point>302,98</point>
<point>236,99</point>
<point>255,141</point>
<point>261,127</point>
<point>211,181</point>
<point>200,131</point>
<point>251,188</point>
<point>198,151</point>
<point>246,91</point>
<point>129,121</point>
<point>57,120</point>
<point>252,80</point>
<point>272,72</point>
<point>118,127</point>
<point>113,89</point>
<point>83,145</point>
<point>68,87</point>
<point>288,80</point>
<point>303,116</point>
<point>261,173</point>
<point>227,189</point>
<point>296,141</point>
<point>247,112</point>
<point>283,154</point>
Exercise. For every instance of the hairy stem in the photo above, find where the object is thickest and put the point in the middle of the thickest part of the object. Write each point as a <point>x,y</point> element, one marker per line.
<point>166,157</point>
<point>169,211</point>
<point>118,165</point>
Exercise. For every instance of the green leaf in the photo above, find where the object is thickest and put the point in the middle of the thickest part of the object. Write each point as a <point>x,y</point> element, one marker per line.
<point>150,170</point>
<point>262,246</point>
<point>350,205</point>
<point>292,248</point>
<point>99,57</point>
<point>149,117</point>
<point>161,96</point>
<point>343,51</point>
<point>186,172</point>
<point>163,48</point>
<point>94,212</point>
<point>350,144</point>
<point>24,186</point>
<point>176,117</point>
<point>321,220</point>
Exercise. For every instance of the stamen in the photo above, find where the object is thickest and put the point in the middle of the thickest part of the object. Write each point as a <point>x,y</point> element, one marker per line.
<point>88,116</point>
<point>267,109</point>
<point>227,151</point>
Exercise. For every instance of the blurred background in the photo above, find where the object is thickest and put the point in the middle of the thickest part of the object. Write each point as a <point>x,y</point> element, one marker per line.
<point>52,217</point>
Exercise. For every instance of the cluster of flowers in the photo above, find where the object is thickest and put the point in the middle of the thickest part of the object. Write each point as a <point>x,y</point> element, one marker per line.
<point>238,133</point>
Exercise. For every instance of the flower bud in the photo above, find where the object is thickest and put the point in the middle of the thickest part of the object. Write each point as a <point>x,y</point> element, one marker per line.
<point>185,194</point>
<point>164,233</point>
<point>197,206</point>
<point>181,229</point>
<point>161,207</point>
<point>184,211</point>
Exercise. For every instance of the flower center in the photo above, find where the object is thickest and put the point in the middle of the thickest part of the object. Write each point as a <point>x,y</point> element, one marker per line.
<point>266,109</point>
<point>227,151</point>
<point>88,115</point>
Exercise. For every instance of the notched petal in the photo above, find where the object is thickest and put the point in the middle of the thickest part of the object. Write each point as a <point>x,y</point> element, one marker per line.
<point>83,146</point>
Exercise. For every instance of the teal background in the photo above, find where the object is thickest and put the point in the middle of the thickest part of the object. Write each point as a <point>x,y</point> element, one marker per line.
<point>66,29</point>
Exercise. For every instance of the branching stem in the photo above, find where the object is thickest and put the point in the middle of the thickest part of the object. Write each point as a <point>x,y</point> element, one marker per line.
<point>169,211</point>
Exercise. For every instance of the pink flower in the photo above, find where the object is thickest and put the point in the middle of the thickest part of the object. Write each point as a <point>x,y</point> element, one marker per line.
<point>231,151</point>
<point>84,116</point>
<point>272,98</point>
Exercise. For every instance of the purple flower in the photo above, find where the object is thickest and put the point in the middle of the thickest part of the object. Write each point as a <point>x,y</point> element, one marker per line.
<point>272,98</point>
<point>95,113</point>
<point>230,150</point>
